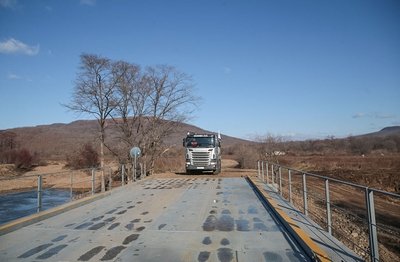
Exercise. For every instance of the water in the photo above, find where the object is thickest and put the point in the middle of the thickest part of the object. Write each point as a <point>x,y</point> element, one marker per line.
<point>17,205</point>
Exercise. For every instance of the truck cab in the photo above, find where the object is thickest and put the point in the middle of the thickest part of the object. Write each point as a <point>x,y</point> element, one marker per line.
<point>203,152</point>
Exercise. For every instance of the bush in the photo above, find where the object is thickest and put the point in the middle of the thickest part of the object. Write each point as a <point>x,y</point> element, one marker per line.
<point>246,156</point>
<point>86,157</point>
<point>23,159</point>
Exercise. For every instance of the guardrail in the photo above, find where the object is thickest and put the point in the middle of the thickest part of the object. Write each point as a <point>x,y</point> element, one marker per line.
<point>322,198</point>
<point>79,183</point>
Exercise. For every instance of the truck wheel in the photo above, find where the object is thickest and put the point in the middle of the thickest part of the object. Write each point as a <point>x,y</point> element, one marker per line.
<point>219,167</point>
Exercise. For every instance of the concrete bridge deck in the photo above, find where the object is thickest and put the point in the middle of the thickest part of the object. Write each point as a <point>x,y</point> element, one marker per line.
<point>179,219</point>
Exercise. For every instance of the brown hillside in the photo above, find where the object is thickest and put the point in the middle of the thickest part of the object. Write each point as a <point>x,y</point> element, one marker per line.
<point>56,141</point>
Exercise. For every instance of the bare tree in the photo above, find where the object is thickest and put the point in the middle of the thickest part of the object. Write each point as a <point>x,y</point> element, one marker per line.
<point>145,106</point>
<point>150,105</point>
<point>94,92</point>
<point>270,147</point>
<point>7,140</point>
<point>170,102</point>
<point>124,115</point>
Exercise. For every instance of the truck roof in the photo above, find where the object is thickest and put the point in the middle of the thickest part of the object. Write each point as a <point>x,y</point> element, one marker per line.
<point>200,135</point>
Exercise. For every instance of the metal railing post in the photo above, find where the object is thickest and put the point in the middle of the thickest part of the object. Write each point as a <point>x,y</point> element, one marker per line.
<point>305,195</point>
<point>290,187</point>
<point>262,170</point>
<point>122,175</point>
<point>110,179</point>
<point>39,193</point>
<point>272,174</point>
<point>133,173</point>
<point>71,181</point>
<point>103,183</point>
<point>258,168</point>
<point>328,207</point>
<point>134,169</point>
<point>280,180</point>
<point>372,233</point>
<point>93,181</point>
<point>266,166</point>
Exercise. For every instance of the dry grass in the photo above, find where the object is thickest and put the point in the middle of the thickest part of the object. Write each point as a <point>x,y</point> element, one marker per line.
<point>348,203</point>
<point>53,175</point>
<point>376,171</point>
<point>56,176</point>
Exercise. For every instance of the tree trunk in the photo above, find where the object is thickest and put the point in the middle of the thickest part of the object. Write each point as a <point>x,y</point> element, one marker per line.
<point>103,187</point>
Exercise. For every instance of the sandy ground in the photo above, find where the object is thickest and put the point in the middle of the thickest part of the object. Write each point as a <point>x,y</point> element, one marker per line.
<point>228,170</point>
<point>53,176</point>
<point>56,176</point>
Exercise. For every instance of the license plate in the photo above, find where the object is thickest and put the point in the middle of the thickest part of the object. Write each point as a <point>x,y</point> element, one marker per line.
<point>200,167</point>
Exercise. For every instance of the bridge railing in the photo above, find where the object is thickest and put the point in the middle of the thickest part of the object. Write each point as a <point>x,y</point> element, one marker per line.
<point>72,184</point>
<point>367,222</point>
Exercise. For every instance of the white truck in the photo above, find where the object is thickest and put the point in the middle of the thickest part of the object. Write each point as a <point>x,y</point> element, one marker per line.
<point>203,152</point>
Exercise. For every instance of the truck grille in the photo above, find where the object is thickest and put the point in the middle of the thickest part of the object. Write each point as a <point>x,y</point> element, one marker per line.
<point>201,158</point>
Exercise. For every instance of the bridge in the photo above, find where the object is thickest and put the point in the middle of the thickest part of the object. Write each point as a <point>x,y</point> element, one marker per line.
<point>187,218</point>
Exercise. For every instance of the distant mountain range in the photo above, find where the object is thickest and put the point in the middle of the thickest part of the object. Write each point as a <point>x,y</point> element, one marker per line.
<point>55,141</point>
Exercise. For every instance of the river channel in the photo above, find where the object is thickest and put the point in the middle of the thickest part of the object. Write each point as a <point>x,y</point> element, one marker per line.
<point>21,204</point>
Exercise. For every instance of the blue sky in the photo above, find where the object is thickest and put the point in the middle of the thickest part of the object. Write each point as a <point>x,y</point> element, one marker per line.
<point>299,69</point>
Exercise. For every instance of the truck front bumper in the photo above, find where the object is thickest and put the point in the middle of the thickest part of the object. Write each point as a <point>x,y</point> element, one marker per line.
<point>211,167</point>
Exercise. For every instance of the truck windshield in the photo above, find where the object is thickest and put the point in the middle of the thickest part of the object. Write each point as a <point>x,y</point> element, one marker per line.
<point>200,142</point>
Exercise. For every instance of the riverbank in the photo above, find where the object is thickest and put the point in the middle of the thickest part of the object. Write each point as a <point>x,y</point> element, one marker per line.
<point>53,176</point>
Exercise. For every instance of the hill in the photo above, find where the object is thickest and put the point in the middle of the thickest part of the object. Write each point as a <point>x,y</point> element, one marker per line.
<point>387,131</point>
<point>56,141</point>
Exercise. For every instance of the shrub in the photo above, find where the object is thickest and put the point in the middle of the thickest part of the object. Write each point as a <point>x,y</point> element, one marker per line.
<point>86,157</point>
<point>23,159</point>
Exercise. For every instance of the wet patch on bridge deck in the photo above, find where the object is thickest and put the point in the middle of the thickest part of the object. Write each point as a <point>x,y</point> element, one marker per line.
<point>187,219</point>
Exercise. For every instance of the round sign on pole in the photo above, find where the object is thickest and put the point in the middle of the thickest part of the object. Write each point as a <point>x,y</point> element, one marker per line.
<point>135,152</point>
